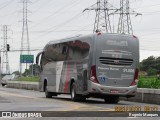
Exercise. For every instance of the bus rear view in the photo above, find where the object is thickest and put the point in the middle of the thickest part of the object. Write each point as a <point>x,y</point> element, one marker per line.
<point>114,71</point>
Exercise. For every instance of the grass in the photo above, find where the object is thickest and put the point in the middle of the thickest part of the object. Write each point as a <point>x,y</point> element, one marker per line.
<point>28,79</point>
<point>144,81</point>
<point>149,82</point>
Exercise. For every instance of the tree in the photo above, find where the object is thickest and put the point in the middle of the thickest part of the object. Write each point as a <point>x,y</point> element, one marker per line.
<point>16,73</point>
<point>149,62</point>
<point>36,70</point>
<point>26,72</point>
<point>158,65</point>
<point>151,65</point>
<point>151,71</point>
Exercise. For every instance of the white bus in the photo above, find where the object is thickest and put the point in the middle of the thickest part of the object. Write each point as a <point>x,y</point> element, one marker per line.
<point>98,65</point>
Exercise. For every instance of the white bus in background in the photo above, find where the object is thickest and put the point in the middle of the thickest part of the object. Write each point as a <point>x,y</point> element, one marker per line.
<point>98,65</point>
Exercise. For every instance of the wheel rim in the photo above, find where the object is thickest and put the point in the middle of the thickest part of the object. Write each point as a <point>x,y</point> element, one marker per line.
<point>72,93</point>
<point>46,90</point>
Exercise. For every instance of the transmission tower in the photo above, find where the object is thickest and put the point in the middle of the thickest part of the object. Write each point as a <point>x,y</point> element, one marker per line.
<point>102,20</point>
<point>25,45</point>
<point>5,60</point>
<point>124,25</point>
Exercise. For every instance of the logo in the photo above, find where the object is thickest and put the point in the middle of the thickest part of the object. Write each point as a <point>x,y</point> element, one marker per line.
<point>102,78</point>
<point>20,114</point>
<point>6,114</point>
<point>116,61</point>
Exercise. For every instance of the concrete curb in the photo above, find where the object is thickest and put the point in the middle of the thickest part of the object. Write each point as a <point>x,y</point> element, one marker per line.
<point>143,94</point>
<point>23,85</point>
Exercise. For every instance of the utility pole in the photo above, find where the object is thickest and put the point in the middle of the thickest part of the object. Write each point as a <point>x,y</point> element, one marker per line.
<point>5,61</point>
<point>25,45</point>
<point>124,25</point>
<point>102,20</point>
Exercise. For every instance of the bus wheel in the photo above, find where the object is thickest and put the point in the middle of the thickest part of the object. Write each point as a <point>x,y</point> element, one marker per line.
<point>111,99</point>
<point>3,84</point>
<point>54,94</point>
<point>82,98</point>
<point>73,92</point>
<point>47,94</point>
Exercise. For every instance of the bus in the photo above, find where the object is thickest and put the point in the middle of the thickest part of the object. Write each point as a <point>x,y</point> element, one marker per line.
<point>99,65</point>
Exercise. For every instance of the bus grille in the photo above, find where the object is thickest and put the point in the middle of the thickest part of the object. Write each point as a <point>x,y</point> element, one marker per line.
<point>116,61</point>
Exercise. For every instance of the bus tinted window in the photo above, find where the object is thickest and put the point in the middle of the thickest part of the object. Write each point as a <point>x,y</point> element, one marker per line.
<point>78,50</point>
<point>74,50</point>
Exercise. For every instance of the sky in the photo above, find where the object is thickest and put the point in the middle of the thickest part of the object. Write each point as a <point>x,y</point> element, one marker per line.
<point>56,19</point>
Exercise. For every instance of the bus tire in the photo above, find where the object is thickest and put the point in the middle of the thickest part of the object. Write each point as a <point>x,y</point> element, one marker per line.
<point>3,84</point>
<point>47,94</point>
<point>111,99</point>
<point>74,96</point>
<point>82,98</point>
<point>54,94</point>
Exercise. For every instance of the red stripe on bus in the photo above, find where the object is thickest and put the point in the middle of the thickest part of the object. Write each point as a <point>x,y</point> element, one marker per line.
<point>67,79</point>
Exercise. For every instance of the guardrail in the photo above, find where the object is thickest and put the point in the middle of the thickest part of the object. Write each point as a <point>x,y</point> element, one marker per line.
<point>143,94</point>
<point>146,95</point>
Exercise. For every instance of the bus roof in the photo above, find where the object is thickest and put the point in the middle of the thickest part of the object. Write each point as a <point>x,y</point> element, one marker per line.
<point>83,36</point>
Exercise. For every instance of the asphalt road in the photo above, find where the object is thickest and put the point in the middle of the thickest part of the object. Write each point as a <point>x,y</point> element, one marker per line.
<point>35,101</point>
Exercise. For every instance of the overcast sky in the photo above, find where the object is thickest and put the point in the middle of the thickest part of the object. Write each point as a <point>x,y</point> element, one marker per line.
<point>55,19</point>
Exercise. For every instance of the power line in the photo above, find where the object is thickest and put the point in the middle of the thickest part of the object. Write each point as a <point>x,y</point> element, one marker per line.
<point>148,6</point>
<point>57,11</point>
<point>9,2</point>
<point>150,13</point>
<point>43,5</point>
<point>82,29</point>
<point>42,31</point>
<point>149,50</point>
<point>58,26</point>
<point>19,50</point>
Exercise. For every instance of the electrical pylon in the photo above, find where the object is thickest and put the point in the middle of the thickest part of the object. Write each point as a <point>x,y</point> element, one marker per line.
<point>5,60</point>
<point>102,20</point>
<point>25,45</point>
<point>124,25</point>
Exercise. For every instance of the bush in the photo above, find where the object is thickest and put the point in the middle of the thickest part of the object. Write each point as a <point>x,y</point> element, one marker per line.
<point>149,82</point>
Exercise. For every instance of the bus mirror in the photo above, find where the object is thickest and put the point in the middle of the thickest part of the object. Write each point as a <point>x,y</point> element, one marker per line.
<point>37,58</point>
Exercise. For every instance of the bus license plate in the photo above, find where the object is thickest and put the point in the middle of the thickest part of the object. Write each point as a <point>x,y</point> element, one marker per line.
<point>114,91</point>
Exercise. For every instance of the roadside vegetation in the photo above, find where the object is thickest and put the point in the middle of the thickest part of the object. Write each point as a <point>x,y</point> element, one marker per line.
<point>149,73</point>
<point>149,82</point>
<point>28,79</point>
<point>27,75</point>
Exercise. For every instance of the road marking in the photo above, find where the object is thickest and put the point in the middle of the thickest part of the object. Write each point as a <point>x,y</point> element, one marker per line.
<point>104,109</point>
<point>75,106</point>
<point>17,95</point>
<point>64,102</point>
